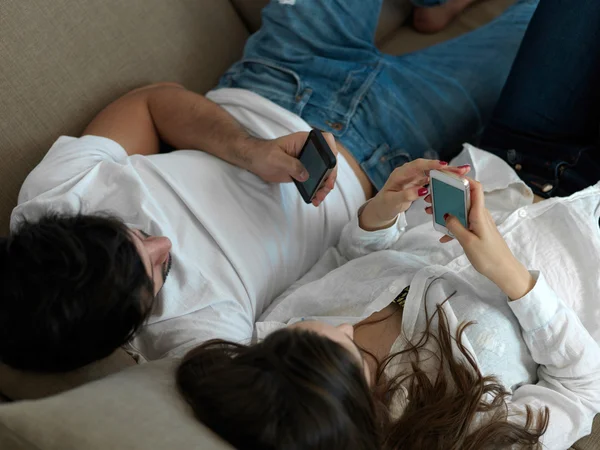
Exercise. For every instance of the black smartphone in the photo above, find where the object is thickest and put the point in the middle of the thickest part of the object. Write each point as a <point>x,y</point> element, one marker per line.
<point>319,161</point>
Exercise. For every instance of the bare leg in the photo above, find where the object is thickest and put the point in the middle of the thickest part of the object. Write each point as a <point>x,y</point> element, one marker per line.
<point>435,18</point>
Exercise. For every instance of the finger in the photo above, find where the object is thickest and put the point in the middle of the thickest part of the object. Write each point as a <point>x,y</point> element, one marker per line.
<point>419,168</point>
<point>477,195</point>
<point>429,210</point>
<point>426,165</point>
<point>293,143</point>
<point>317,199</point>
<point>459,170</point>
<point>412,194</point>
<point>331,142</point>
<point>330,182</point>
<point>420,182</point>
<point>428,199</point>
<point>292,166</point>
<point>327,186</point>
<point>321,194</point>
<point>456,228</point>
<point>445,239</point>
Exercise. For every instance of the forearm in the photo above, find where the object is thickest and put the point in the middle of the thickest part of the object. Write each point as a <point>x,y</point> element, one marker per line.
<point>186,120</point>
<point>183,119</point>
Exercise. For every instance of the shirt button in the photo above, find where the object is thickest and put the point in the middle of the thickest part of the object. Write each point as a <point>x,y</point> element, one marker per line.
<point>522,213</point>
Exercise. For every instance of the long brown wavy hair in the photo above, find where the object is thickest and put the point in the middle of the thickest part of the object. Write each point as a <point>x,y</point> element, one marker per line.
<point>297,390</point>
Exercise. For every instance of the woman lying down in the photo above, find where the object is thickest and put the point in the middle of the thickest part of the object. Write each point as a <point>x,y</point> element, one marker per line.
<point>411,346</point>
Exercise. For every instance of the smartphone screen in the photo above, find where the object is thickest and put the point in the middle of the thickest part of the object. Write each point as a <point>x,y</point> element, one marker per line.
<point>448,200</point>
<point>314,164</point>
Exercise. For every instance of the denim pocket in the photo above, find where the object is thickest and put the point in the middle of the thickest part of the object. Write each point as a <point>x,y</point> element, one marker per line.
<point>382,163</point>
<point>270,80</point>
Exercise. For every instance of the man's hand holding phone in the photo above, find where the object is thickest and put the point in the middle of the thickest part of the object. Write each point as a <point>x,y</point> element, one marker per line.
<point>276,161</point>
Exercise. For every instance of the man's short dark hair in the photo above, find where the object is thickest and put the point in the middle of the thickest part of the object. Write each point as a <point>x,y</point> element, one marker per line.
<point>72,290</point>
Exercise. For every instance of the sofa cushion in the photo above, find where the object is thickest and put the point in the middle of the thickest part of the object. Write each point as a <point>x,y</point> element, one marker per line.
<point>63,61</point>
<point>137,409</point>
<point>393,14</point>
<point>591,442</point>
<point>18,385</point>
<point>407,39</point>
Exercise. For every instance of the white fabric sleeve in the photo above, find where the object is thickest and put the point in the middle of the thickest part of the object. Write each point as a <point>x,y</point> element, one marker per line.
<point>569,371</point>
<point>356,242</point>
<point>67,159</point>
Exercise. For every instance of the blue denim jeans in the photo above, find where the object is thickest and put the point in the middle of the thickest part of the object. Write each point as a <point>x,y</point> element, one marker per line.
<point>547,121</point>
<point>318,59</point>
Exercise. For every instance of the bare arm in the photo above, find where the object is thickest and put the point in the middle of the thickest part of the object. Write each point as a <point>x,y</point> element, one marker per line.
<point>139,120</point>
<point>181,118</point>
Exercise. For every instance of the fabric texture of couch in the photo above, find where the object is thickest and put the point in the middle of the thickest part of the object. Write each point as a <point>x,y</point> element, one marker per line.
<point>62,62</point>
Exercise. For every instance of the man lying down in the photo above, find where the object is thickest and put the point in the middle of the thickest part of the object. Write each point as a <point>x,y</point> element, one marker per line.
<point>105,221</point>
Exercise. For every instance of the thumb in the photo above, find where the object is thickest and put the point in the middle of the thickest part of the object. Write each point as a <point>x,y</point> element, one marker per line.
<point>456,228</point>
<point>293,167</point>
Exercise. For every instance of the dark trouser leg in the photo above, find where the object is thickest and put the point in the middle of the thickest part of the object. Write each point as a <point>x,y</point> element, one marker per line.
<point>547,121</point>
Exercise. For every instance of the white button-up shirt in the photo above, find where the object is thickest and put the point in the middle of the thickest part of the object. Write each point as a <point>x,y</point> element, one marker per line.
<point>543,347</point>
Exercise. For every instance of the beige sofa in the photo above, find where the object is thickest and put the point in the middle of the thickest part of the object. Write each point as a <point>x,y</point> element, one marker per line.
<point>60,63</point>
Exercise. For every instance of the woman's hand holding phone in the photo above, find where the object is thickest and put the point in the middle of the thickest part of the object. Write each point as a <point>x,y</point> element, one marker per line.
<point>404,185</point>
<point>486,248</point>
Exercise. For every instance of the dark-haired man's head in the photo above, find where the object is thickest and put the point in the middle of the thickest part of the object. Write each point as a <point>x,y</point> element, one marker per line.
<point>75,288</point>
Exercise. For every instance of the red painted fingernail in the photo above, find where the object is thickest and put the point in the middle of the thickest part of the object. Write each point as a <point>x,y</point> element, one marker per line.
<point>443,163</point>
<point>464,166</point>
<point>422,192</point>
<point>446,216</point>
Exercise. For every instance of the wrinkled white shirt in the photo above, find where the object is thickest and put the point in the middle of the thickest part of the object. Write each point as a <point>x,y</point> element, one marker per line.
<point>238,241</point>
<point>543,347</point>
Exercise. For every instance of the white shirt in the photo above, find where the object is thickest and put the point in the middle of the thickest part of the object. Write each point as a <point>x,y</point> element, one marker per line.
<point>543,347</point>
<point>238,242</point>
